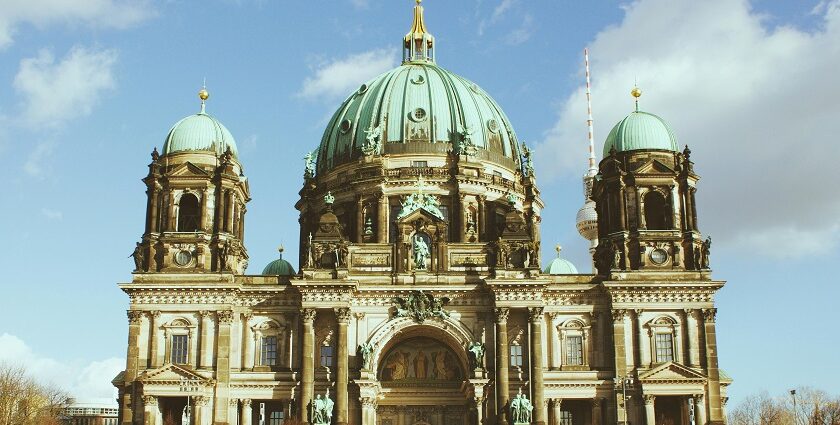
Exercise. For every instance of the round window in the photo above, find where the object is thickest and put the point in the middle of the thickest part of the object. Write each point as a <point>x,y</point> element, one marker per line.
<point>183,257</point>
<point>419,114</point>
<point>658,256</point>
<point>363,88</point>
<point>345,125</point>
<point>474,87</point>
<point>418,79</point>
<point>493,125</point>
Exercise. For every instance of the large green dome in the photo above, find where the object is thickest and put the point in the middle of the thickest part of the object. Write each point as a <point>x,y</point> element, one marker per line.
<point>640,131</point>
<point>199,132</point>
<point>418,108</point>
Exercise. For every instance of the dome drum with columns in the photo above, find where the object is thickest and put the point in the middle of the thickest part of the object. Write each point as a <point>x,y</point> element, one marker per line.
<point>420,296</point>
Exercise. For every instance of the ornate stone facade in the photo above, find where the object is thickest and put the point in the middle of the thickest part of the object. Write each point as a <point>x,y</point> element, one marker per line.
<point>434,312</point>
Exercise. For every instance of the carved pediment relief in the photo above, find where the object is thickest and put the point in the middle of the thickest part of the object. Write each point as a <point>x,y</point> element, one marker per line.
<point>671,372</point>
<point>188,169</point>
<point>654,167</point>
<point>172,373</point>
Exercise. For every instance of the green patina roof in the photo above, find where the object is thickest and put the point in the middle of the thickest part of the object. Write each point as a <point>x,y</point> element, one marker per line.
<point>560,266</point>
<point>279,267</point>
<point>199,132</point>
<point>640,131</point>
<point>411,96</point>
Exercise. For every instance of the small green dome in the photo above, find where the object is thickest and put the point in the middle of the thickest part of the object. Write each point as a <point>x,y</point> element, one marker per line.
<point>279,267</point>
<point>640,131</point>
<point>560,265</point>
<point>199,132</point>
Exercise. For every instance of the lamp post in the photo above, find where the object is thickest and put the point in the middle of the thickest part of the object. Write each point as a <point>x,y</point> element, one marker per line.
<point>795,415</point>
<point>624,382</point>
<point>188,386</point>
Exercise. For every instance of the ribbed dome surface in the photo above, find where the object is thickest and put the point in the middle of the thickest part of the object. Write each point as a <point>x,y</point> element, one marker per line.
<point>199,132</point>
<point>560,266</point>
<point>418,102</point>
<point>640,131</point>
<point>279,267</point>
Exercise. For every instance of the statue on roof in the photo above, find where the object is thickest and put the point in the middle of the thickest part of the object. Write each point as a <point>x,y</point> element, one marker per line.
<point>373,141</point>
<point>421,253</point>
<point>309,165</point>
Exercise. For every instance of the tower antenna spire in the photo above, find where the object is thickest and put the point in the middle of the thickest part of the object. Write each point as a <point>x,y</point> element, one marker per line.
<point>589,122</point>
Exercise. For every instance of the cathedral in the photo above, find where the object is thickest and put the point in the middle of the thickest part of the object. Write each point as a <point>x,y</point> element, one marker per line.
<point>421,296</point>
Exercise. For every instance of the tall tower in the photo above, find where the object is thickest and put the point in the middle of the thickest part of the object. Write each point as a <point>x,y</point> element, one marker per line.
<point>195,214</point>
<point>587,218</point>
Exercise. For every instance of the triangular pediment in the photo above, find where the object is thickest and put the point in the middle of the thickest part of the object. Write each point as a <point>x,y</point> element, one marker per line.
<point>671,372</point>
<point>420,213</point>
<point>654,167</point>
<point>171,373</point>
<point>188,169</point>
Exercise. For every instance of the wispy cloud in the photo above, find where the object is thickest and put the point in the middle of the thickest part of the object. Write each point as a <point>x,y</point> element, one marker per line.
<point>54,92</point>
<point>340,76</point>
<point>521,34</point>
<point>51,214</point>
<point>34,164</point>
<point>758,118</point>
<point>499,12</point>
<point>116,14</point>
<point>82,380</point>
<point>360,4</point>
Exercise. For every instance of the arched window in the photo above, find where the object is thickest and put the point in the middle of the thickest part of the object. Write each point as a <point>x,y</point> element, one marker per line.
<point>656,211</point>
<point>270,338</point>
<point>574,336</point>
<point>663,335</point>
<point>178,334</point>
<point>188,213</point>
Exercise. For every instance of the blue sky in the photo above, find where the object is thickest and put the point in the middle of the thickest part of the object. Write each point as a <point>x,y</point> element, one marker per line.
<point>86,92</point>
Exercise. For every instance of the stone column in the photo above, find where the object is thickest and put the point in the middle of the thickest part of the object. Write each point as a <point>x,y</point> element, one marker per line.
<point>650,412</point>
<point>462,227</point>
<point>439,415</point>
<point>384,223</point>
<point>537,319</point>
<point>229,211</point>
<point>220,413</point>
<point>502,385</point>
<point>622,212</point>
<point>554,339</point>
<point>479,410</point>
<point>206,357</point>
<point>135,321</point>
<point>150,408</point>
<point>154,317</point>
<point>343,317</point>
<point>199,403</point>
<point>170,212</point>
<point>620,359</point>
<point>248,360</point>
<point>594,341</point>
<point>482,220</point>
<point>699,409</point>
<point>308,372</point>
<point>192,340</point>
<point>368,410</point>
<point>233,411</point>
<point>556,405</point>
<point>714,400</point>
<point>692,329</point>
<point>596,410</point>
<point>640,208</point>
<point>642,354</point>
<point>247,411</point>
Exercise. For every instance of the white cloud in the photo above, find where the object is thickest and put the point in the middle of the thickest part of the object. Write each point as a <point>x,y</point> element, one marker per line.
<point>34,164</point>
<point>341,76</point>
<point>82,381</point>
<point>523,33</point>
<point>51,214</point>
<point>360,4</point>
<point>758,106</point>
<point>55,92</point>
<point>117,14</point>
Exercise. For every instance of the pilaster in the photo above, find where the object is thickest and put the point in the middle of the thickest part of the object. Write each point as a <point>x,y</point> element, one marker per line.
<point>537,318</point>
<point>502,383</point>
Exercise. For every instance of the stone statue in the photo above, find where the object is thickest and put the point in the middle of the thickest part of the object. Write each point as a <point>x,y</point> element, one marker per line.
<point>372,145</point>
<point>529,163</point>
<point>309,165</point>
<point>224,253</point>
<point>310,252</point>
<point>476,350</point>
<point>705,251</point>
<point>421,253</point>
<point>421,306</point>
<point>341,253</point>
<point>322,409</point>
<point>616,252</point>
<point>366,351</point>
<point>139,257</point>
<point>520,409</point>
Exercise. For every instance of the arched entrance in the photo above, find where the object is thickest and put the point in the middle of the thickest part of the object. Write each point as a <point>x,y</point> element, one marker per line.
<point>422,373</point>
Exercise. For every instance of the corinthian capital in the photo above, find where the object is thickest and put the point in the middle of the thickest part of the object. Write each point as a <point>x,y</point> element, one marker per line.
<point>618,315</point>
<point>342,314</point>
<point>709,315</point>
<point>308,315</point>
<point>135,317</point>
<point>535,314</point>
<point>502,314</point>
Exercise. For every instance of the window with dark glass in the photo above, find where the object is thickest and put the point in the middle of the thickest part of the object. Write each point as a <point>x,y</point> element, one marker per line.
<point>326,355</point>
<point>188,213</point>
<point>179,349</point>
<point>565,418</point>
<point>419,164</point>
<point>269,351</point>
<point>656,211</point>
<point>574,350</point>
<point>664,347</point>
<point>276,418</point>
<point>516,356</point>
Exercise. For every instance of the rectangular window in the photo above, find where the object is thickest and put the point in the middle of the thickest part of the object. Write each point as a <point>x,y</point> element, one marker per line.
<point>574,350</point>
<point>269,351</point>
<point>664,348</point>
<point>276,418</point>
<point>516,356</point>
<point>565,418</point>
<point>419,164</point>
<point>326,356</point>
<point>179,349</point>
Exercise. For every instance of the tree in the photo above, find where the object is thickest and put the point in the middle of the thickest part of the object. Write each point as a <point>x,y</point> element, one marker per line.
<point>24,401</point>
<point>813,407</point>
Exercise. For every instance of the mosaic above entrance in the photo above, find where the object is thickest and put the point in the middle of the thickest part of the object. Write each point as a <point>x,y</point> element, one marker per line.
<point>422,362</point>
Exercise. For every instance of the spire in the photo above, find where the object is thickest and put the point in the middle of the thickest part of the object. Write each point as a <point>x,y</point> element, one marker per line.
<point>418,44</point>
<point>593,168</point>
<point>203,94</point>
<point>636,93</point>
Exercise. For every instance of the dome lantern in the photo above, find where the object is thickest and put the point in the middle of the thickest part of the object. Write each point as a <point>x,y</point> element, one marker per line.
<point>418,44</point>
